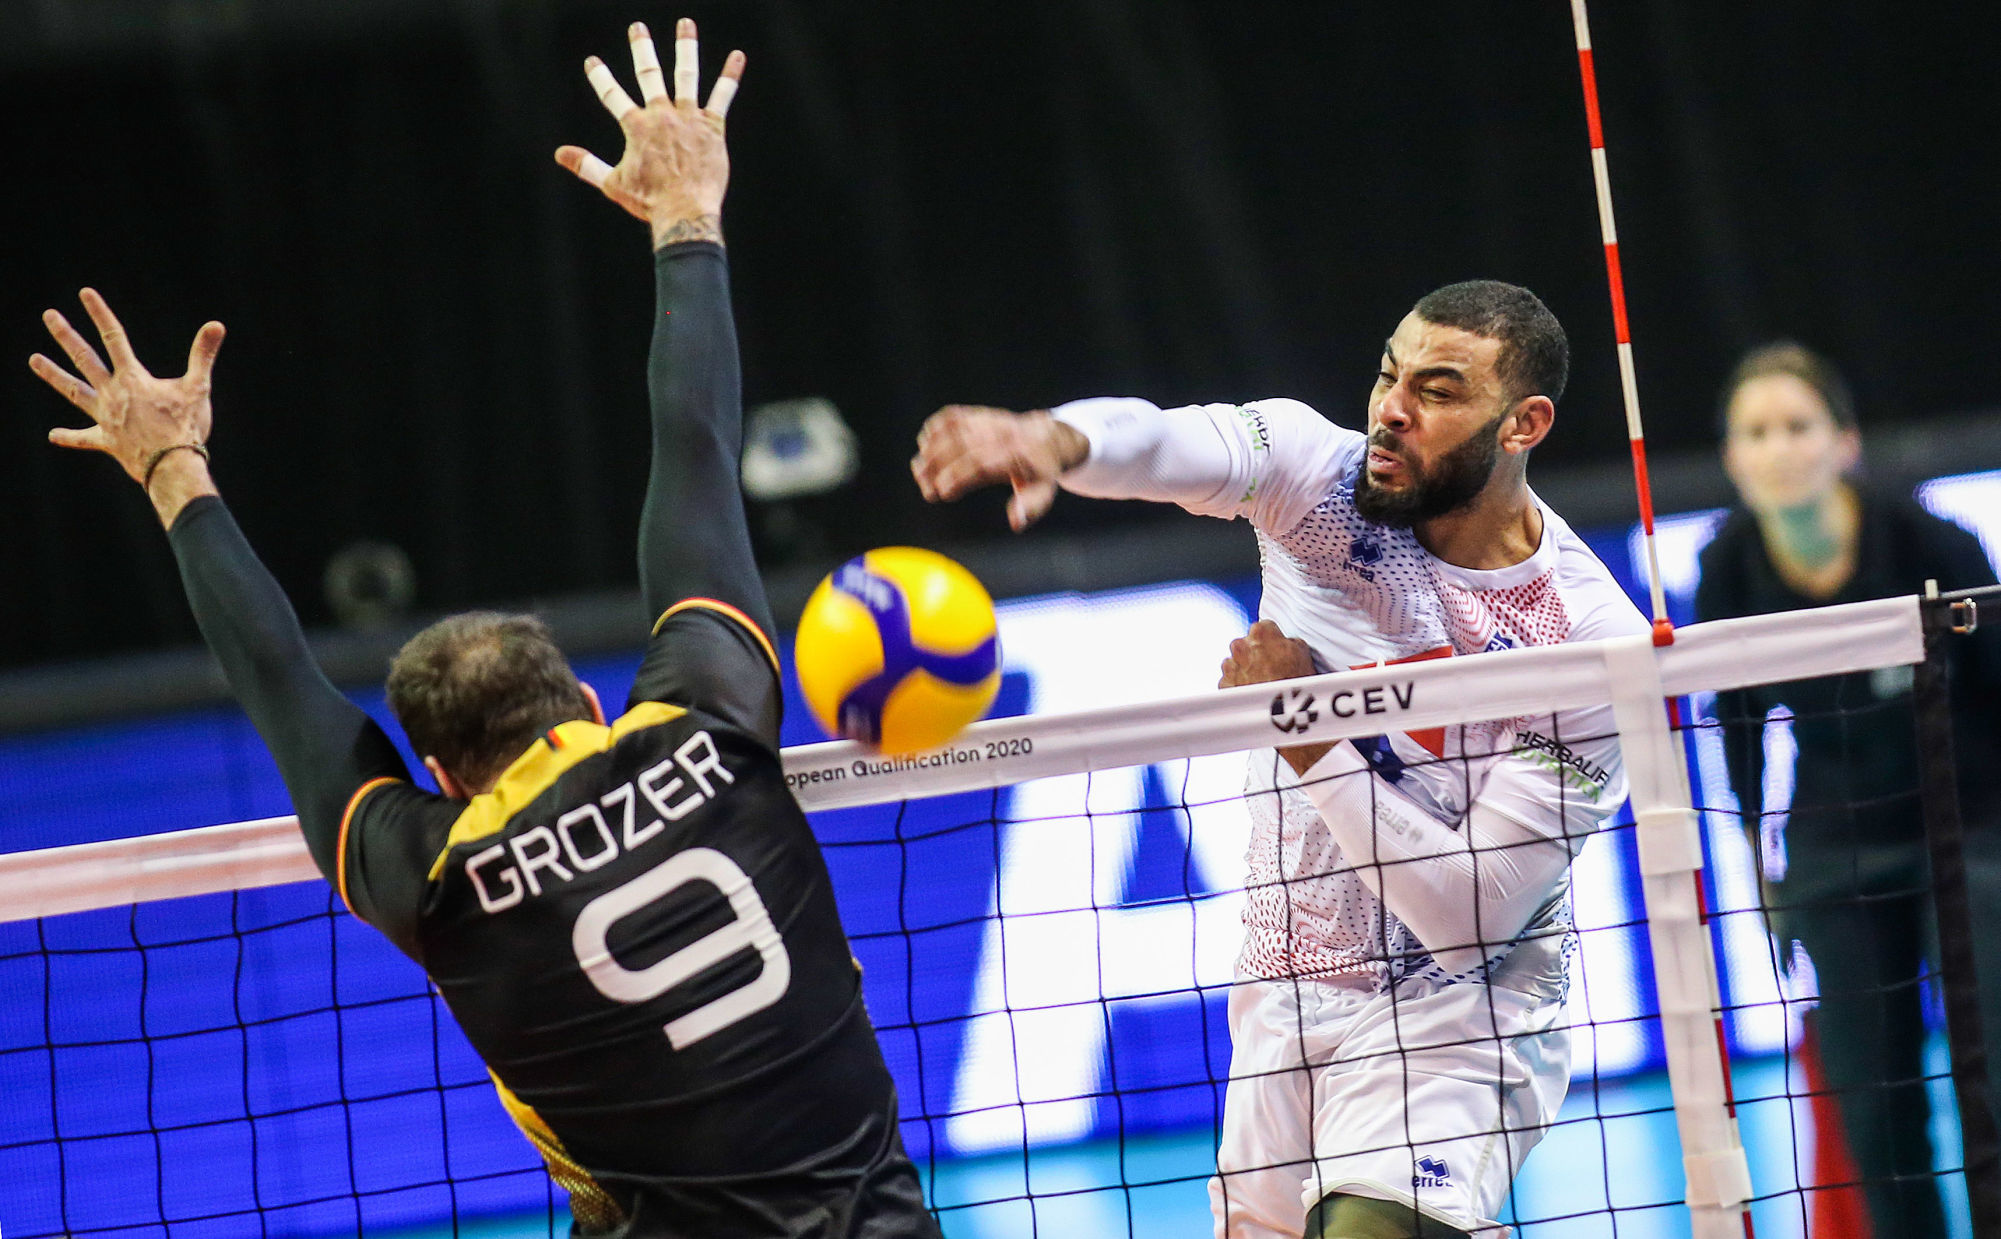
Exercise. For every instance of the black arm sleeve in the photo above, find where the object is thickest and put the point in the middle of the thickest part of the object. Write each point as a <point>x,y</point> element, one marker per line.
<point>694,542</point>
<point>325,746</point>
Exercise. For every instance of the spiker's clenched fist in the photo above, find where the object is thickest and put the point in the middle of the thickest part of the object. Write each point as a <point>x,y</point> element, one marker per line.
<point>962,447</point>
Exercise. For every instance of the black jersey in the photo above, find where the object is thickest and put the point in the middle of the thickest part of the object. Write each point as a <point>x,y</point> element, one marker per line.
<point>634,927</point>
<point>636,930</point>
<point>1854,825</point>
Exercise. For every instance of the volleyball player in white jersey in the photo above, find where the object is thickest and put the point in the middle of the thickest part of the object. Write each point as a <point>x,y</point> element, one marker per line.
<point>1398,1029</point>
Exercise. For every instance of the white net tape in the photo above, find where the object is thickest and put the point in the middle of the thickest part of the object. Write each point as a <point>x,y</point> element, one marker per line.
<point>1713,657</point>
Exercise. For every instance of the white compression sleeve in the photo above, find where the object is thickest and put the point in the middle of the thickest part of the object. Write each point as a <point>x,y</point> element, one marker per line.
<point>1269,460</point>
<point>1139,451</point>
<point>1463,892</point>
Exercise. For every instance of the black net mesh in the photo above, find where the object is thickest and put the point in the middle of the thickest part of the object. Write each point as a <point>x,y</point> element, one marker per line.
<point>1050,969</point>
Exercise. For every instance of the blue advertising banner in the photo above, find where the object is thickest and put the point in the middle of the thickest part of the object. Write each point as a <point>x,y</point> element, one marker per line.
<point>1045,963</point>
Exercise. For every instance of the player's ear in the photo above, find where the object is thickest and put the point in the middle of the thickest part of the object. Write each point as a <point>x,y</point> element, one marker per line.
<point>597,706</point>
<point>450,786</point>
<point>1534,415</point>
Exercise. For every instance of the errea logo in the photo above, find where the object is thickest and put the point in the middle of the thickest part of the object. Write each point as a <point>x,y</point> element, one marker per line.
<point>1364,553</point>
<point>1431,1172</point>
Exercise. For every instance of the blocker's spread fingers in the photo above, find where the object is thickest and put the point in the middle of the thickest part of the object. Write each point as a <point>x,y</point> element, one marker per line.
<point>610,93</point>
<point>687,63</point>
<point>76,348</point>
<point>201,354</point>
<point>67,385</point>
<point>646,63</point>
<point>724,91</point>
<point>586,166</point>
<point>110,330</point>
<point>89,439</point>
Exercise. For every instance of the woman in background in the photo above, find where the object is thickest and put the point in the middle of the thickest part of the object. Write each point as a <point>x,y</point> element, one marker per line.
<point>1846,874</point>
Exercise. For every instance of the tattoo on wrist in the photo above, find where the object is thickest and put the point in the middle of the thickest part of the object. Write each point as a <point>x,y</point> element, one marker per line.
<point>700,228</point>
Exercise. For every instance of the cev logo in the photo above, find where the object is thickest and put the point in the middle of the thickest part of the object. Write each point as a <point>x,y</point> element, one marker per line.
<point>1293,710</point>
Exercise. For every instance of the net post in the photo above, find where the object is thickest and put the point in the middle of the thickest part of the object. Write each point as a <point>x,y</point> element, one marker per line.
<point>1668,836</point>
<point>1938,787</point>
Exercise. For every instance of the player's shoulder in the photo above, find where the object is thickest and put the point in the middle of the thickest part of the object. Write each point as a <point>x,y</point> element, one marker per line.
<point>569,761</point>
<point>400,799</point>
<point>389,832</point>
<point>1599,606</point>
<point>1298,419</point>
<point>672,758</point>
<point>1308,454</point>
<point>648,732</point>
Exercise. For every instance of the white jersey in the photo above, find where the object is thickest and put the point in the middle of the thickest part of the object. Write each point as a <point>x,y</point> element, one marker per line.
<point>1359,593</point>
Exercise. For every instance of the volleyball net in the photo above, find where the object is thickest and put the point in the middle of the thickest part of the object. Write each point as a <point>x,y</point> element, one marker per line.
<point>196,1040</point>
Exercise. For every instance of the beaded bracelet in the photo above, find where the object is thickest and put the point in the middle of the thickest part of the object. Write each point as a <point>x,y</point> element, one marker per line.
<point>153,465</point>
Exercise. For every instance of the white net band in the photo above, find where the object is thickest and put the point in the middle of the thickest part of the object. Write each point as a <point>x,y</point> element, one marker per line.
<point>1715,656</point>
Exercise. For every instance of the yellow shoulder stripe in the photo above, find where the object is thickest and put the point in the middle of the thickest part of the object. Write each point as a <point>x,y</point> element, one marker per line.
<point>724,608</point>
<point>340,842</point>
<point>541,765</point>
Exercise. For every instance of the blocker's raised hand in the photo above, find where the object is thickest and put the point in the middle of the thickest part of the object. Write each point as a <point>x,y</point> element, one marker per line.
<point>675,167</point>
<point>136,418</point>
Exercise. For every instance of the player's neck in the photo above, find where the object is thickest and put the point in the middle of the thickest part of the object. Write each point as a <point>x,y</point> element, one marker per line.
<point>1500,528</point>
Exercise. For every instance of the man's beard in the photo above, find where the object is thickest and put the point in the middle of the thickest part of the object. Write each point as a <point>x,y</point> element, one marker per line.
<point>1448,483</point>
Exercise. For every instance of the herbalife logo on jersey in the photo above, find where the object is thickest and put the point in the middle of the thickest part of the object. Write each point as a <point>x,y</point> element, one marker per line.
<point>1431,1172</point>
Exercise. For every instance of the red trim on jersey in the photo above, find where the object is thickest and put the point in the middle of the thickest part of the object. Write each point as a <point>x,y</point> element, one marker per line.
<point>1432,738</point>
<point>340,844</point>
<point>717,604</point>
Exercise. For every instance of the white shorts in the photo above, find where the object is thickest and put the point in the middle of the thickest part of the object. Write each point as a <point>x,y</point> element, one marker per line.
<point>1432,1098</point>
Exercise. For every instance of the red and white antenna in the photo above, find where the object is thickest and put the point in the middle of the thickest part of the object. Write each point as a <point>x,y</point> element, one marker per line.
<point>1628,382</point>
<point>1668,832</point>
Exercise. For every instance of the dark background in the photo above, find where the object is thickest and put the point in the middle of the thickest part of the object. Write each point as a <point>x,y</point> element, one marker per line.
<point>437,337</point>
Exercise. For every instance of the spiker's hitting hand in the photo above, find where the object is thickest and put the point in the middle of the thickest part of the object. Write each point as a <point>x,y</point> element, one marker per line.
<point>963,447</point>
<point>675,168</point>
<point>144,423</point>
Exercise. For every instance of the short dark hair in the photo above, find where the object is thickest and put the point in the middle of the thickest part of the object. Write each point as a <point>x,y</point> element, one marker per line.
<point>1801,362</point>
<point>1535,354</point>
<point>475,690</point>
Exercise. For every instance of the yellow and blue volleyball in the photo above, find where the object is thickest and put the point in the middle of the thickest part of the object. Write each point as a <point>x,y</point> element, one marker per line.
<point>898,649</point>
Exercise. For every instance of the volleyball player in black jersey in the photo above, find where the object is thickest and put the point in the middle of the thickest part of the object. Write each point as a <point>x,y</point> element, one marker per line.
<point>632,923</point>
